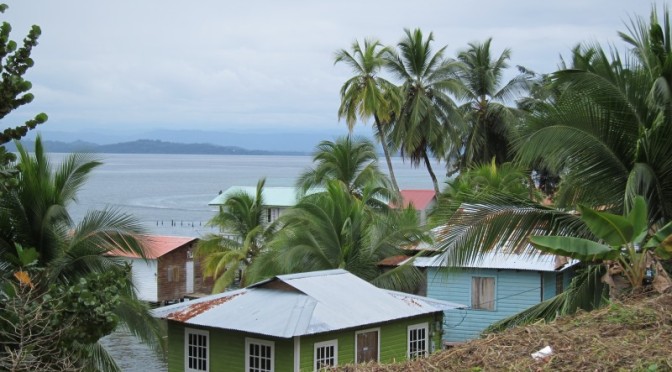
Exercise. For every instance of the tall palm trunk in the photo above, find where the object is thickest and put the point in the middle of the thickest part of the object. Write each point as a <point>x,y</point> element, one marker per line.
<point>431,173</point>
<point>386,151</point>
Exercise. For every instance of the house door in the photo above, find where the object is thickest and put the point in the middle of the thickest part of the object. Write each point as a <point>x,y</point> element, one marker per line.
<point>367,346</point>
<point>190,276</point>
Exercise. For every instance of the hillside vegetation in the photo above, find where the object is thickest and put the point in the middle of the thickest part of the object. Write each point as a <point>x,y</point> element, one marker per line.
<point>634,335</point>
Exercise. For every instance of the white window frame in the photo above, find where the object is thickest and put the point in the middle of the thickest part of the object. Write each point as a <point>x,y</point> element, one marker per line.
<point>198,332</point>
<point>319,345</point>
<point>249,341</point>
<point>367,331</point>
<point>417,354</point>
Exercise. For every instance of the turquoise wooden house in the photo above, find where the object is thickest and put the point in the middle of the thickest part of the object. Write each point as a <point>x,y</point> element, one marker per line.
<point>494,287</point>
<point>301,322</point>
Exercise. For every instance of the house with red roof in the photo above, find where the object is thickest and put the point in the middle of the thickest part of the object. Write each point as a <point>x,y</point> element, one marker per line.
<point>169,272</point>
<point>422,200</point>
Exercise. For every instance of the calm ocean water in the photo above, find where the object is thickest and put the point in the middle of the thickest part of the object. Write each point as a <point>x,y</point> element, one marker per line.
<point>170,195</point>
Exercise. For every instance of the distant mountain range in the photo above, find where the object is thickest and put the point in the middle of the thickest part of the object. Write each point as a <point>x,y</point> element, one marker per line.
<point>149,147</point>
<point>268,140</point>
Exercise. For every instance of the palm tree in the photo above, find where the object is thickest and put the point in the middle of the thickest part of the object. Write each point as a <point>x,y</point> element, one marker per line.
<point>242,216</point>
<point>351,161</point>
<point>607,133</point>
<point>490,123</point>
<point>335,230</point>
<point>34,215</point>
<point>367,94</point>
<point>426,122</point>
<point>472,185</point>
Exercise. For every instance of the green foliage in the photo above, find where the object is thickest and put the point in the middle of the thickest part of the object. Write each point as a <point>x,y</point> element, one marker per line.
<point>580,249</point>
<point>354,163</point>
<point>334,229</point>
<point>367,94</point>
<point>241,216</point>
<point>37,233</point>
<point>490,124</point>
<point>624,237</point>
<point>13,87</point>
<point>46,325</point>
<point>88,305</point>
<point>428,119</point>
<point>479,181</point>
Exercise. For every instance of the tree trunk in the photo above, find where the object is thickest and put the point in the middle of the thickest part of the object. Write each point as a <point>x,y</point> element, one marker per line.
<point>431,173</point>
<point>386,151</point>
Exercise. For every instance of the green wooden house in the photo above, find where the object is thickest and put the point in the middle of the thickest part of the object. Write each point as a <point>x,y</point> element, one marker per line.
<point>301,322</point>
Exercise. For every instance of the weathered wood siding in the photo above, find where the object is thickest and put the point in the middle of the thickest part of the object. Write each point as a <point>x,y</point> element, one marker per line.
<point>393,341</point>
<point>226,349</point>
<point>172,271</point>
<point>143,274</point>
<point>514,291</point>
<point>172,275</point>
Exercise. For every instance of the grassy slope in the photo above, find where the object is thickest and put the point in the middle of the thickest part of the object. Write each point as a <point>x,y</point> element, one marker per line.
<point>635,335</point>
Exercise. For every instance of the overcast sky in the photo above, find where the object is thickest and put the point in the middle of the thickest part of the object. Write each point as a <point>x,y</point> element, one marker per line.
<point>247,65</point>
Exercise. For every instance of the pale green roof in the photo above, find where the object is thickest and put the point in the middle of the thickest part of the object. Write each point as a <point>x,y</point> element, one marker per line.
<point>273,196</point>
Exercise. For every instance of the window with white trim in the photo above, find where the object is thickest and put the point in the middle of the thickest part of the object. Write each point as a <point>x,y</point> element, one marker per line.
<point>326,354</point>
<point>196,350</point>
<point>418,340</point>
<point>259,355</point>
<point>483,293</point>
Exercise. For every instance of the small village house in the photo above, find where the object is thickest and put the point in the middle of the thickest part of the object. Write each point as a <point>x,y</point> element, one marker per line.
<point>276,199</point>
<point>494,287</point>
<point>301,322</point>
<point>169,273</point>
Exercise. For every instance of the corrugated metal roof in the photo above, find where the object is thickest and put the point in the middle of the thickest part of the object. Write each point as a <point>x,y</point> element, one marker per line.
<point>502,260</point>
<point>303,304</point>
<point>156,246</point>
<point>273,196</point>
<point>277,196</point>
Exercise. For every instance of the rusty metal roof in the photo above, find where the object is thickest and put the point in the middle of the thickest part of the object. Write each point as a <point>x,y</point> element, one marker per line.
<point>155,246</point>
<point>302,304</point>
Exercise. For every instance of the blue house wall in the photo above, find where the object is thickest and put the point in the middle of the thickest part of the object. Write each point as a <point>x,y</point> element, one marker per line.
<point>515,290</point>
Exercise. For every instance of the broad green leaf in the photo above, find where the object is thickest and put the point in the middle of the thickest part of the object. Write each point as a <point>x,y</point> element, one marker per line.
<point>581,249</point>
<point>662,238</point>
<point>28,256</point>
<point>613,229</point>
<point>639,219</point>
<point>662,253</point>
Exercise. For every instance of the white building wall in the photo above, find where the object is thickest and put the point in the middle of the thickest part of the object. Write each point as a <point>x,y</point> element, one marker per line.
<point>144,274</point>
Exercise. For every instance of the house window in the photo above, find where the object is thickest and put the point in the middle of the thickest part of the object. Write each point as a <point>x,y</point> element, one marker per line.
<point>259,355</point>
<point>417,340</point>
<point>196,350</point>
<point>272,214</point>
<point>173,274</point>
<point>326,354</point>
<point>483,293</point>
<point>559,283</point>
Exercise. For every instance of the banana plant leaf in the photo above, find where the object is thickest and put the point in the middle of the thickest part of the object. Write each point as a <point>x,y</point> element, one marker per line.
<point>578,248</point>
<point>615,230</point>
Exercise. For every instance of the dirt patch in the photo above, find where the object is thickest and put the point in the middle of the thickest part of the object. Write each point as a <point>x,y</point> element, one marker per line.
<point>633,335</point>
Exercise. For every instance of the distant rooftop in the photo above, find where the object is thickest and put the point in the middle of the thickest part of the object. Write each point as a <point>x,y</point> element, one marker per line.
<point>420,199</point>
<point>273,196</point>
<point>156,246</point>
